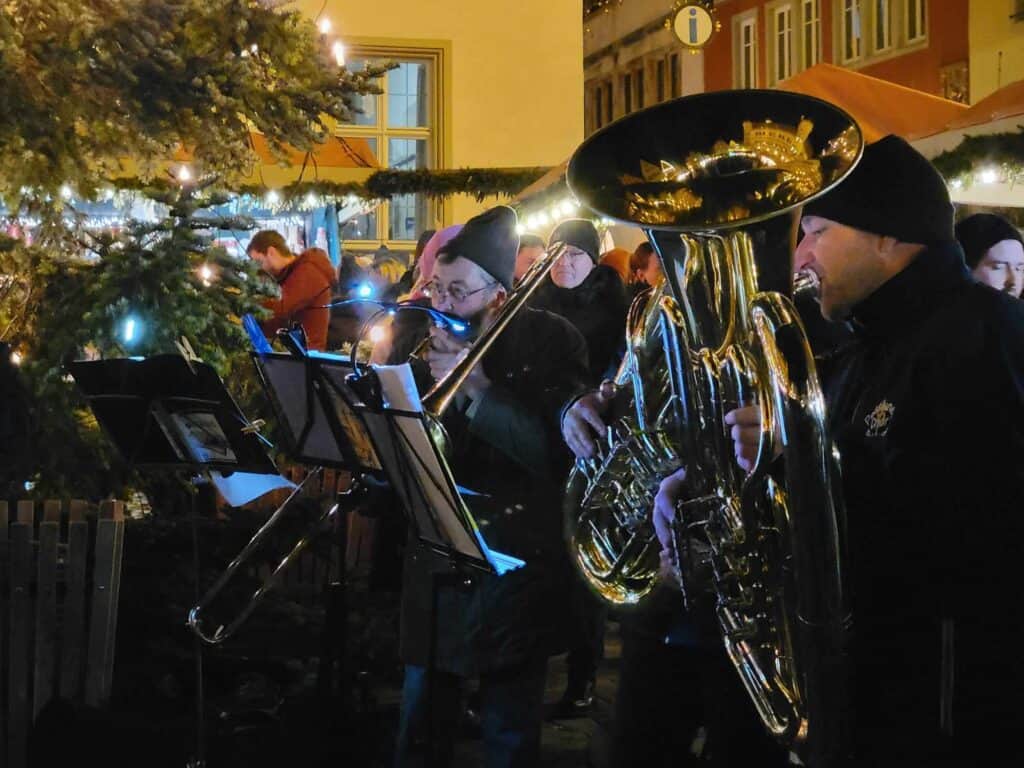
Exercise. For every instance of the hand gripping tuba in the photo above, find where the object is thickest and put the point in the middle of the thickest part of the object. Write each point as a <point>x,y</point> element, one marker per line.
<point>717,180</point>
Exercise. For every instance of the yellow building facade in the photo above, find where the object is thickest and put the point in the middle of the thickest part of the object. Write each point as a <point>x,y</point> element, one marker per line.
<point>996,32</point>
<point>478,86</point>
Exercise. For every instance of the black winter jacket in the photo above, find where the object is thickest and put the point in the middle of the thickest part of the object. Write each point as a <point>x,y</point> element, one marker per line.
<point>510,451</point>
<point>927,410</point>
<point>597,308</point>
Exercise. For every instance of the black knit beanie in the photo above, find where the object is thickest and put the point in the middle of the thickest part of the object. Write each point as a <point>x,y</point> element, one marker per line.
<point>489,241</point>
<point>980,232</point>
<point>893,191</point>
<point>580,233</point>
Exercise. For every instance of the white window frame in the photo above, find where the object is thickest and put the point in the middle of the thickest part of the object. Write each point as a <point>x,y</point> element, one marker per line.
<point>851,20</point>
<point>810,16</point>
<point>920,9</point>
<point>782,38</point>
<point>744,41</point>
<point>882,23</point>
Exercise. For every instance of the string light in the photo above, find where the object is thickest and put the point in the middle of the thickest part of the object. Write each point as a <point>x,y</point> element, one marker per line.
<point>338,49</point>
<point>206,274</point>
<point>311,200</point>
<point>65,192</point>
<point>325,26</point>
<point>184,174</point>
<point>131,330</point>
<point>273,198</point>
<point>16,358</point>
<point>988,176</point>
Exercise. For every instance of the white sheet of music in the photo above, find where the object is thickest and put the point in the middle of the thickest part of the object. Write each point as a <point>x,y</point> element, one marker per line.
<point>399,389</point>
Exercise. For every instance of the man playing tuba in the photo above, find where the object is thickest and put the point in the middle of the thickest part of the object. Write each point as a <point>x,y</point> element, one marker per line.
<point>926,408</point>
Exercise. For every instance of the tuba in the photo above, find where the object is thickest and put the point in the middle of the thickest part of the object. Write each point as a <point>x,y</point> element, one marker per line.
<point>717,180</point>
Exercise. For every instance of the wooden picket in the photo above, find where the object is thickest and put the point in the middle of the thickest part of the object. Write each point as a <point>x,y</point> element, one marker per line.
<point>56,634</point>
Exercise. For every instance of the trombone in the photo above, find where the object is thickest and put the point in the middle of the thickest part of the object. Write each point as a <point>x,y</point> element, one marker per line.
<point>225,630</point>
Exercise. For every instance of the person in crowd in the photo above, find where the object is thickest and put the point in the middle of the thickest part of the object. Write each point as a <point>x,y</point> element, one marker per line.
<point>588,295</point>
<point>408,326</point>
<point>618,259</point>
<point>994,251</point>
<point>645,266</point>
<point>531,248</point>
<point>593,299</point>
<point>503,428</point>
<point>408,279</point>
<point>305,281</point>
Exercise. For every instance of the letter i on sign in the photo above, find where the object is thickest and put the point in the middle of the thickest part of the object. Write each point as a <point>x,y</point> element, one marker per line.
<point>694,39</point>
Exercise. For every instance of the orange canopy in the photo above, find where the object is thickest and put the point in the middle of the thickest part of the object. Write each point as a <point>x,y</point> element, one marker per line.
<point>880,107</point>
<point>1006,102</point>
<point>338,159</point>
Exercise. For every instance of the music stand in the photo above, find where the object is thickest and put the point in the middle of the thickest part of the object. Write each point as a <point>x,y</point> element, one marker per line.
<point>434,504</point>
<point>168,412</point>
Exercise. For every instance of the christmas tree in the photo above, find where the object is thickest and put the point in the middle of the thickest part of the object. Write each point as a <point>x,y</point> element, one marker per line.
<point>92,91</point>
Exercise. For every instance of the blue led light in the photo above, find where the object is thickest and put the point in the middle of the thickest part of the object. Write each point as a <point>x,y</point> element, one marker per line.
<point>364,290</point>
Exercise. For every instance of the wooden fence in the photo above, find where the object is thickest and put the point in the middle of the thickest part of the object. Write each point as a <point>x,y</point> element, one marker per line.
<point>60,573</point>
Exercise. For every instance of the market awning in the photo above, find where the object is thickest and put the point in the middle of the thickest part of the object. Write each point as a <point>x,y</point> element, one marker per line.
<point>868,100</point>
<point>339,159</point>
<point>878,106</point>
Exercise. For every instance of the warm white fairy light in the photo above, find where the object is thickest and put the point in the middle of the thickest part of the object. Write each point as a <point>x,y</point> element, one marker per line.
<point>184,174</point>
<point>988,176</point>
<point>273,197</point>
<point>338,50</point>
<point>325,26</point>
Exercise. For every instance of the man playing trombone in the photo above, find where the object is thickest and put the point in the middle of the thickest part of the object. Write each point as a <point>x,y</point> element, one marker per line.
<point>505,447</point>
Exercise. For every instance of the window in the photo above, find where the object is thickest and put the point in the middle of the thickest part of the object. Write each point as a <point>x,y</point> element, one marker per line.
<point>674,75</point>
<point>1018,10</point>
<point>916,29</point>
<point>746,52</point>
<point>659,80</point>
<point>627,94</point>
<point>851,29</point>
<point>598,105</point>
<point>811,42</point>
<point>883,25</point>
<point>401,128</point>
<point>638,78</point>
<point>782,55</point>
<point>609,106</point>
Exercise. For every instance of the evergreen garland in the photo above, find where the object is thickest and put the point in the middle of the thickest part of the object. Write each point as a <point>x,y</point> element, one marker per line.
<point>381,185</point>
<point>1004,151</point>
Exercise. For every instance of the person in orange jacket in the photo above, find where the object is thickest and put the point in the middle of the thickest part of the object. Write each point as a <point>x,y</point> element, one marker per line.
<point>306,282</point>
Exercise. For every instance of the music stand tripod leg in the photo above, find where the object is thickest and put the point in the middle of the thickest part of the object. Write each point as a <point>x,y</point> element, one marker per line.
<point>199,758</point>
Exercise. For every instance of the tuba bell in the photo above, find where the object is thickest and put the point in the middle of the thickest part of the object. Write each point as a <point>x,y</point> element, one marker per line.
<point>717,181</point>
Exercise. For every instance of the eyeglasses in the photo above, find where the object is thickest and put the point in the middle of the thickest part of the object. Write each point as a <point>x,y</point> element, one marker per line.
<point>455,293</point>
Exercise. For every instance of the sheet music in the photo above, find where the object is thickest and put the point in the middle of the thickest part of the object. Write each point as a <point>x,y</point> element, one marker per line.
<point>399,390</point>
<point>239,488</point>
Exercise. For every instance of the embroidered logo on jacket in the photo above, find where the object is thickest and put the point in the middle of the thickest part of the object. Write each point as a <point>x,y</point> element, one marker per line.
<point>878,420</point>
